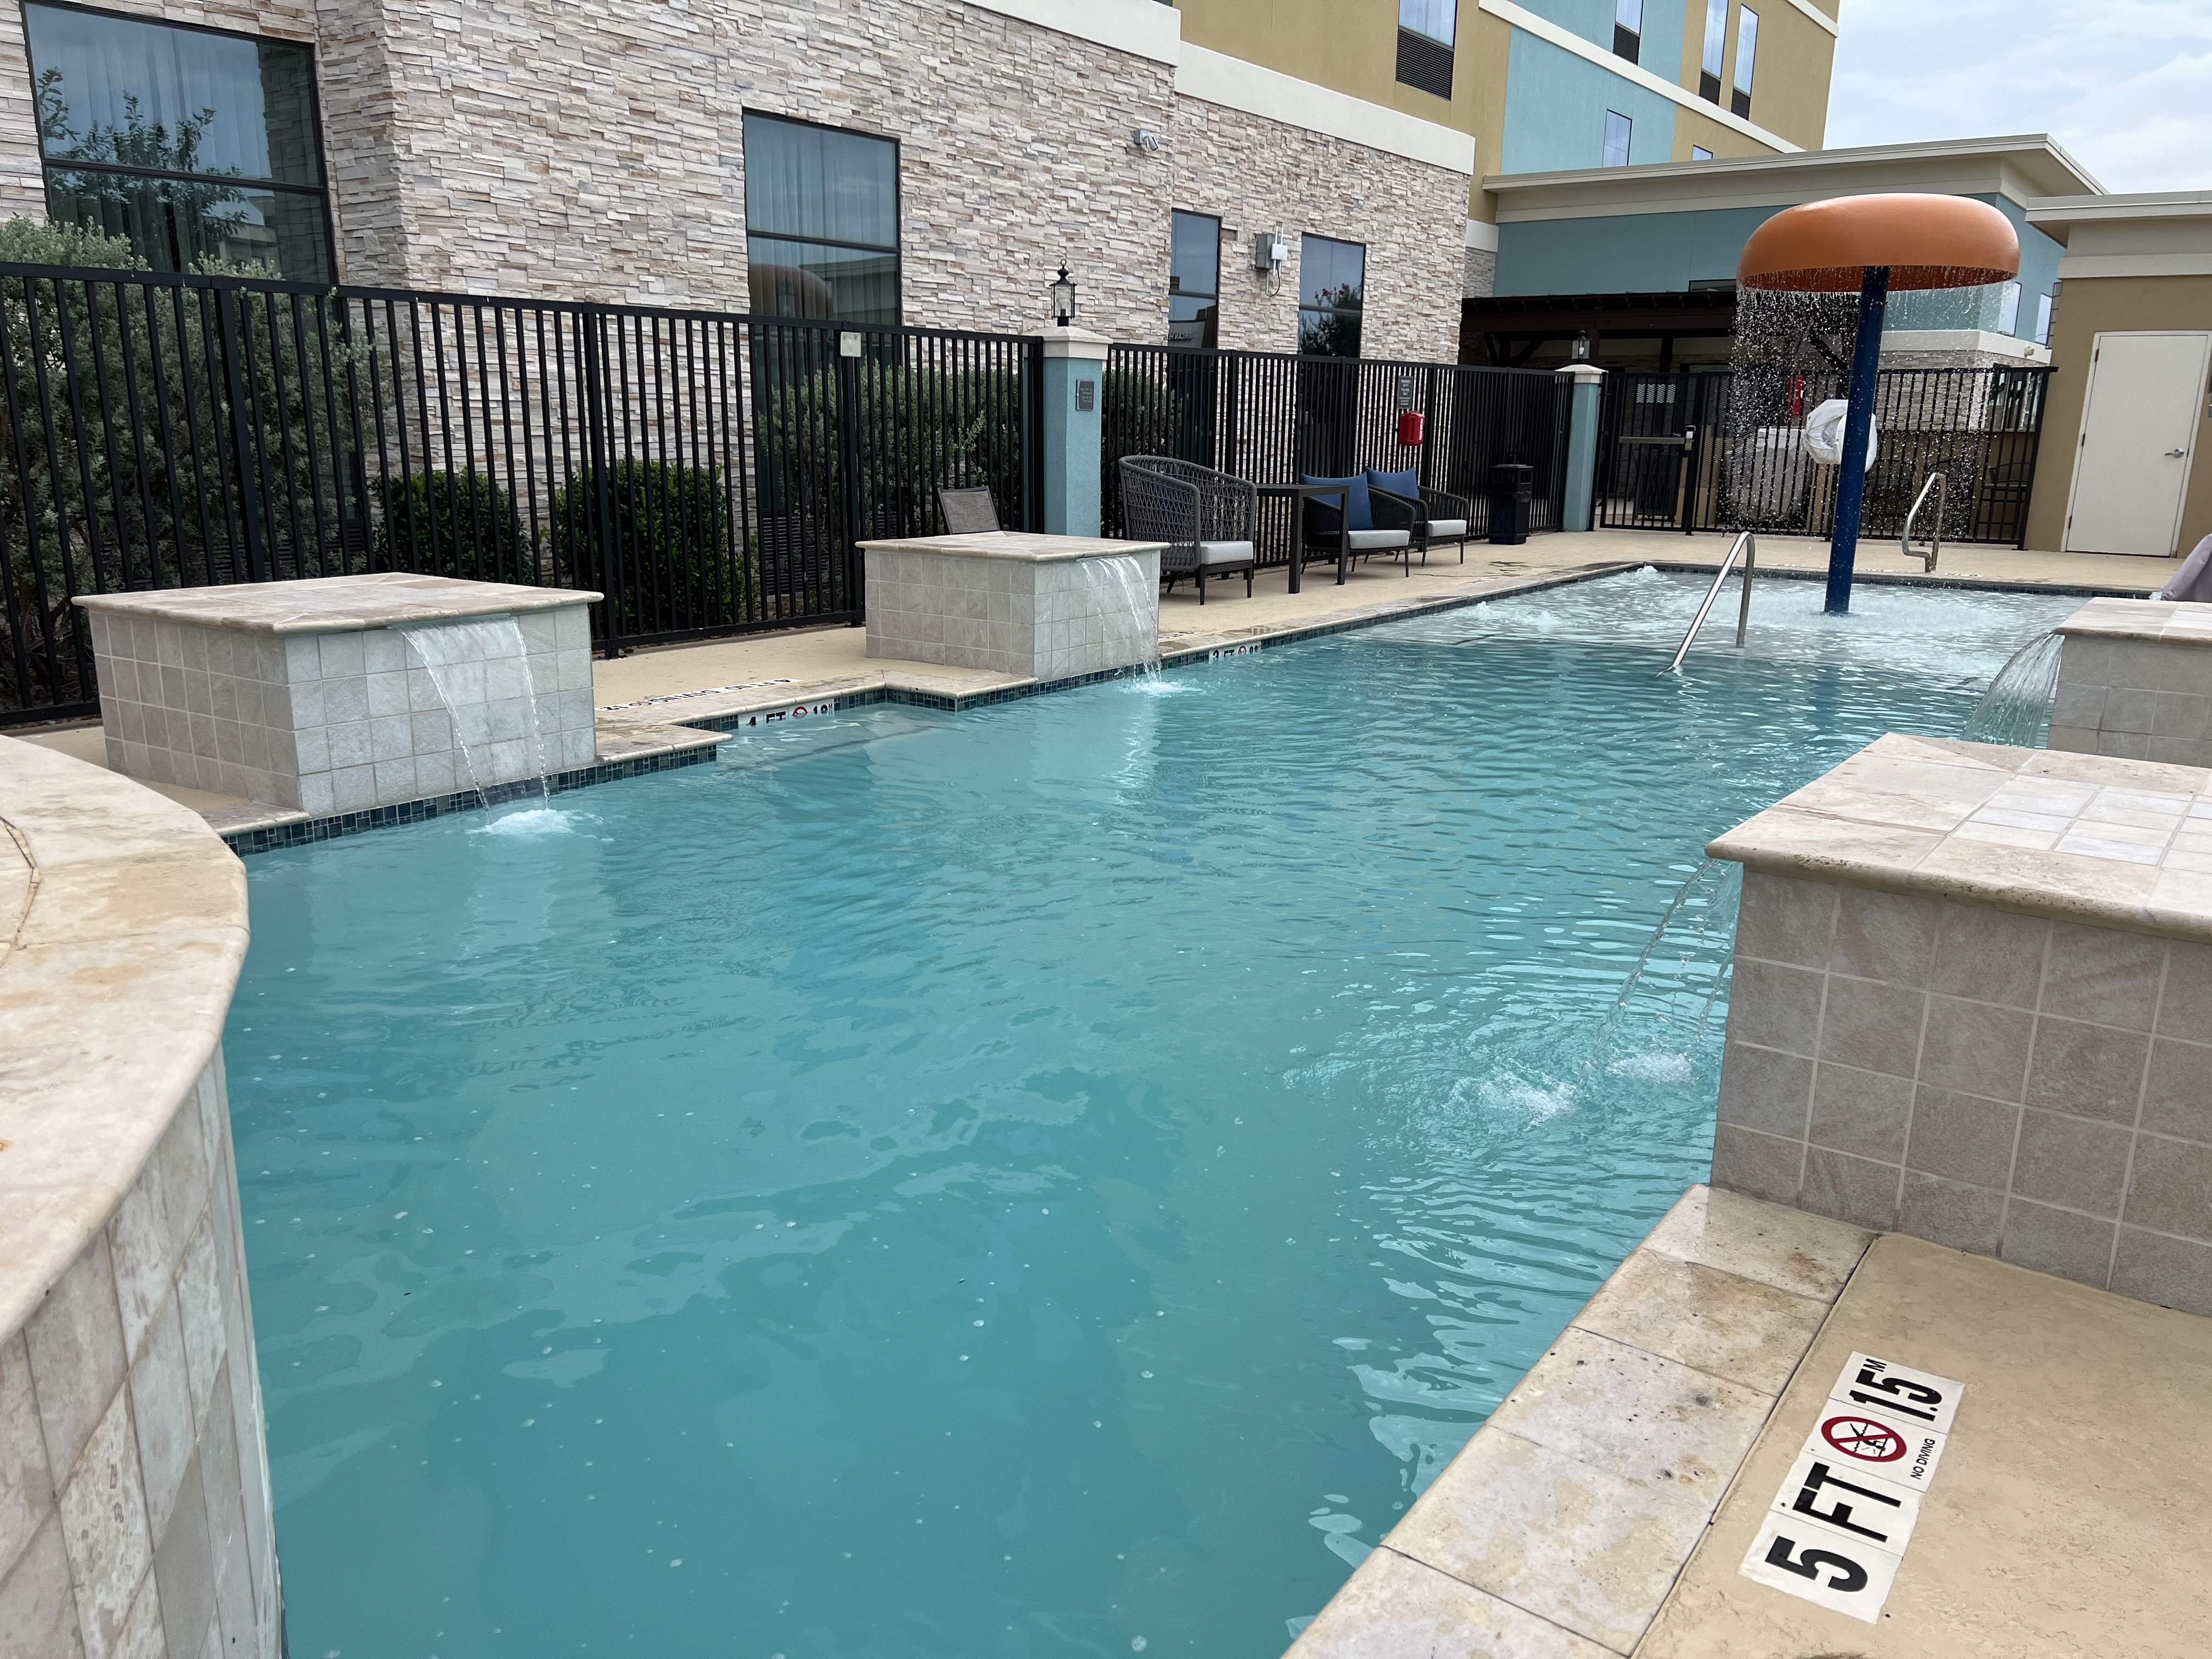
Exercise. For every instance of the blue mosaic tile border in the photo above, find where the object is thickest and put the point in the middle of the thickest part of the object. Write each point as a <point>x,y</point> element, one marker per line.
<point>271,837</point>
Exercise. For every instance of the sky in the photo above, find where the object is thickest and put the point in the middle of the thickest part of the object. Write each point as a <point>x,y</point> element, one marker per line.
<point>2124,86</point>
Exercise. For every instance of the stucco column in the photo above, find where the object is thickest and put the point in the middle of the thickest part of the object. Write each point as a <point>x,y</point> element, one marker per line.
<point>1074,402</point>
<point>1586,384</point>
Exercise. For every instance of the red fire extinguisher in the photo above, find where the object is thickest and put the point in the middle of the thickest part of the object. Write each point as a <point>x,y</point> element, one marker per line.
<point>1411,425</point>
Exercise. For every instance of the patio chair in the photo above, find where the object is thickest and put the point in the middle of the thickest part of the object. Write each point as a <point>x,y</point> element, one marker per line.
<point>1442,518</point>
<point>1379,523</point>
<point>968,512</point>
<point>1208,520</point>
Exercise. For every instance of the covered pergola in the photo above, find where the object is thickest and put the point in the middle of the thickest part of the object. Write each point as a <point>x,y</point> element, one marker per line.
<point>1516,331</point>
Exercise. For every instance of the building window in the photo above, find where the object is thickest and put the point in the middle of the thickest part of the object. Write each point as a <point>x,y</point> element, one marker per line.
<point>2043,320</point>
<point>1331,286</point>
<point>199,146</point>
<point>1426,32</point>
<point>1618,129</point>
<point>821,221</point>
<point>1700,152</point>
<point>1195,282</point>
<point>1746,58</point>
<point>1627,29</point>
<point>1709,66</point>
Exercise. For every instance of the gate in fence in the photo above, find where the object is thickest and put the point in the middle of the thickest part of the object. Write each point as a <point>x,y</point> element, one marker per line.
<point>1270,417</point>
<point>1725,450</point>
<point>709,473</point>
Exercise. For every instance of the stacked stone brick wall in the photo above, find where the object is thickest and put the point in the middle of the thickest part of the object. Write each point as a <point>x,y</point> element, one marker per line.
<point>1260,175</point>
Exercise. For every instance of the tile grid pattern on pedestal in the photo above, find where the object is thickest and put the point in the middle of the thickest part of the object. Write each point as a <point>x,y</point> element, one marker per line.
<point>337,722</point>
<point>2137,698</point>
<point>135,1518</point>
<point>2027,1088</point>
<point>1045,620</point>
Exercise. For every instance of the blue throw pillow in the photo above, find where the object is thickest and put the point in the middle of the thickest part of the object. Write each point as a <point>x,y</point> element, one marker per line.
<point>1406,483</point>
<point>1363,509</point>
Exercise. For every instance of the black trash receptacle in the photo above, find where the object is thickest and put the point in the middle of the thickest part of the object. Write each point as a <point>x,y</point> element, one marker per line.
<point>1511,482</point>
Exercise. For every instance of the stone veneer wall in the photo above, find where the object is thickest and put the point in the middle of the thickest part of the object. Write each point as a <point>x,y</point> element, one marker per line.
<point>1995,1082</point>
<point>537,147</point>
<point>134,1515</point>
<point>1260,175</point>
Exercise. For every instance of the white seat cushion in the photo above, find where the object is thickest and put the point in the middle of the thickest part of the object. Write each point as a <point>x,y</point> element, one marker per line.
<point>1447,527</point>
<point>1211,553</point>
<point>1376,541</point>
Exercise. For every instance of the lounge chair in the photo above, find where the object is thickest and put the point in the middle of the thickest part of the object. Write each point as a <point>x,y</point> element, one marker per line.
<point>1207,521</point>
<point>1380,524</point>
<point>1441,518</point>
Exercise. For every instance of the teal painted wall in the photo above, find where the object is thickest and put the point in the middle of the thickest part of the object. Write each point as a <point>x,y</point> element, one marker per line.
<point>1555,106</point>
<point>1663,252</point>
<point>1661,50</point>
<point>1591,19</point>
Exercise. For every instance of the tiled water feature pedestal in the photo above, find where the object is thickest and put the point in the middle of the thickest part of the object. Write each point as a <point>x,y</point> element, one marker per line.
<point>1042,607</point>
<point>343,692</point>
<point>2135,680</point>
<point>1972,1002</point>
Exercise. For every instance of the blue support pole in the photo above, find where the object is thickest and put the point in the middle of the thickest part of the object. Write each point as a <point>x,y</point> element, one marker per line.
<point>1858,421</point>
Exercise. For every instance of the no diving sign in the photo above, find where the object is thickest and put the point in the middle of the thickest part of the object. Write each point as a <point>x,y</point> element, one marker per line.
<point>1836,1532</point>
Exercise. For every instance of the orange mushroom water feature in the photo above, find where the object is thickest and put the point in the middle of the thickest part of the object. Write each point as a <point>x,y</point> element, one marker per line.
<point>1874,244</point>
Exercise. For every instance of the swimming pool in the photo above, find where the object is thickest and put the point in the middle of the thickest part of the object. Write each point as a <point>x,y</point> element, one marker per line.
<point>1054,1179</point>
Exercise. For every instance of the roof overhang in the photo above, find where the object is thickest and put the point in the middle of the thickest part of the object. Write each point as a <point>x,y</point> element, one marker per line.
<point>2020,168</point>
<point>2165,233</point>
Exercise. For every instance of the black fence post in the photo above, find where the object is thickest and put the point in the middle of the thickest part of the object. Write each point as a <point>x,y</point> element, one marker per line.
<point>849,477</point>
<point>244,440</point>
<point>592,341</point>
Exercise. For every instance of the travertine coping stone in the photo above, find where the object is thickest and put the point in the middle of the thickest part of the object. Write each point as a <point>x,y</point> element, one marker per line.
<point>1560,1527</point>
<point>307,695</point>
<point>1042,607</point>
<point>130,1418</point>
<point>2135,680</point>
<point>2083,838</point>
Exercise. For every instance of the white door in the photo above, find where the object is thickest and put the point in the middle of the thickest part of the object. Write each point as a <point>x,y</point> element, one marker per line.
<point>2139,423</point>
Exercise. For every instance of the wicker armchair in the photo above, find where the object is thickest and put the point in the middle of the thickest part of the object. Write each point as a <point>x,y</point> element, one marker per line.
<point>1441,518</point>
<point>1389,534</point>
<point>1207,521</point>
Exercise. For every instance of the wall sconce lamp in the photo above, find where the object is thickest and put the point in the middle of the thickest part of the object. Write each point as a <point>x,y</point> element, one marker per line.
<point>1063,297</point>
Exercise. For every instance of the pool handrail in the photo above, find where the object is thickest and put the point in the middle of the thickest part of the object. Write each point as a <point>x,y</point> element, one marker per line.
<point>1941,486</point>
<point>1748,544</point>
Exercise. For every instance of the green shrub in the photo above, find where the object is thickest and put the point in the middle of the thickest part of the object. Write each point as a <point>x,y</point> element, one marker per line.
<point>672,561</point>
<point>450,523</point>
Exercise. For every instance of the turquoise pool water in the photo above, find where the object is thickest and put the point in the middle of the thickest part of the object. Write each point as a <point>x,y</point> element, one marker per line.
<point>1054,1180</point>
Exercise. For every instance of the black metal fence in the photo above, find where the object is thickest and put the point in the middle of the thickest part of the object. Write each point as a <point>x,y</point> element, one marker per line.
<point>709,473</point>
<point>1270,417</point>
<point>1725,450</point>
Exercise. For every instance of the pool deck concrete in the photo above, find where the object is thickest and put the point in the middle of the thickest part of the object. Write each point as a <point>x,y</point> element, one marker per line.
<point>1606,1507</point>
<point>644,697</point>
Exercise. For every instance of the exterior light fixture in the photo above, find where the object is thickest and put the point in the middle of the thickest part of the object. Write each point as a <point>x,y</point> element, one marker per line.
<point>1145,139</point>
<point>1582,347</point>
<point>1063,297</point>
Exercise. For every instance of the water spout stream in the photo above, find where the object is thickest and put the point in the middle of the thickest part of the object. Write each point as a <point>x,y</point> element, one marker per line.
<point>2016,708</point>
<point>482,671</point>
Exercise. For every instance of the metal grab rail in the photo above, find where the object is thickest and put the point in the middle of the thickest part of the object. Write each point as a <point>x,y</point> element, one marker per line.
<point>1941,486</point>
<point>1746,544</point>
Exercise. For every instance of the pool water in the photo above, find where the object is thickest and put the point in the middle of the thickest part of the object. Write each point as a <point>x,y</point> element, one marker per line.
<point>1052,1180</point>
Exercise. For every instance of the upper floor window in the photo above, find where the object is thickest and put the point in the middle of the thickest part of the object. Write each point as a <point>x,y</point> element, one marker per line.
<point>1716,51</point>
<point>1627,29</point>
<point>1194,280</point>
<point>1425,32</point>
<point>199,146</point>
<point>1332,291</point>
<point>1700,152</point>
<point>1618,129</point>
<point>1747,59</point>
<point>2008,308</point>
<point>821,220</point>
<point>2043,320</point>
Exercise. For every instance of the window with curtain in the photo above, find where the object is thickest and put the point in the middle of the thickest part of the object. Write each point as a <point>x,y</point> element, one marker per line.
<point>1194,280</point>
<point>821,221</point>
<point>1716,51</point>
<point>199,146</point>
<point>1425,32</point>
<point>1332,291</point>
<point>1747,59</point>
<point>1618,129</point>
<point>1627,29</point>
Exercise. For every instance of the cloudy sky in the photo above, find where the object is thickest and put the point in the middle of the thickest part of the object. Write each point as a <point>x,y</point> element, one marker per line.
<point>2125,85</point>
